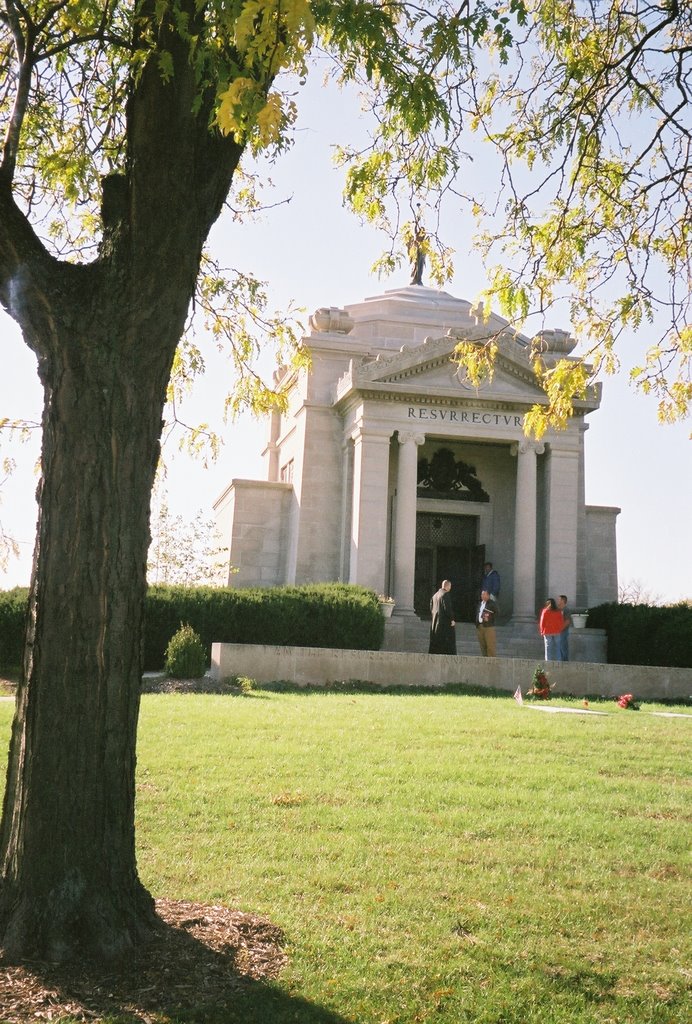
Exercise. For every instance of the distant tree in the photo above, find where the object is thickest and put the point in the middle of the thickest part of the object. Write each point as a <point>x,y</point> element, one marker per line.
<point>185,553</point>
<point>10,430</point>
<point>636,592</point>
<point>8,545</point>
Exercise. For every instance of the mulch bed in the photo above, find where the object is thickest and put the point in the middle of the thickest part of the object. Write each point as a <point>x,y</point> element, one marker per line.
<point>162,684</point>
<point>157,683</point>
<point>204,956</point>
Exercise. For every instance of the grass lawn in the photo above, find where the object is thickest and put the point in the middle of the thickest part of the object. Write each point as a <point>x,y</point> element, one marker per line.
<point>436,857</point>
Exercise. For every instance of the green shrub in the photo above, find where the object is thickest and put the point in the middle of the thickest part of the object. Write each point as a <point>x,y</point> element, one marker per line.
<point>642,634</point>
<point>246,685</point>
<point>185,654</point>
<point>13,610</point>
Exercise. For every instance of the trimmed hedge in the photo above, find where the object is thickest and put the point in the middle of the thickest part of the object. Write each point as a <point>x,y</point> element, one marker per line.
<point>342,616</point>
<point>642,634</point>
<point>13,607</point>
<point>319,615</point>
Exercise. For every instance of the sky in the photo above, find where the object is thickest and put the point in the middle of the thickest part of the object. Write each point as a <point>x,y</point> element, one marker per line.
<point>312,251</point>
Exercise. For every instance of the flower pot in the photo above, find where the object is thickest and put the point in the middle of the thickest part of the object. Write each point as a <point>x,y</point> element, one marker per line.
<point>579,621</point>
<point>387,609</point>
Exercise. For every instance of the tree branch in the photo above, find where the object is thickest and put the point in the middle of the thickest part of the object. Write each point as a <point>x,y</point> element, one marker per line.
<point>23,42</point>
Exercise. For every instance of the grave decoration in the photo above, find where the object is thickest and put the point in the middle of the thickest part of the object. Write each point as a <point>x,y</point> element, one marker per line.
<point>540,685</point>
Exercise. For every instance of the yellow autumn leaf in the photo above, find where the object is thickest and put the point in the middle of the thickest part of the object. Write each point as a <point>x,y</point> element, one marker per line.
<point>269,120</point>
<point>233,104</point>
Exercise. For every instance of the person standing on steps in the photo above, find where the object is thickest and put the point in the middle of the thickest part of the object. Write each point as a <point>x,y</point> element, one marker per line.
<point>551,624</point>
<point>491,581</point>
<point>442,637</point>
<point>485,625</point>
<point>564,635</point>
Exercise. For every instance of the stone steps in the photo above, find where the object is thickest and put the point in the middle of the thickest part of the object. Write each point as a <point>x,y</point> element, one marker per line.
<point>410,634</point>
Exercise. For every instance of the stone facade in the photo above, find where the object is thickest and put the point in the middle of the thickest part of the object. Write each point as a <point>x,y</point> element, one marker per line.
<point>390,470</point>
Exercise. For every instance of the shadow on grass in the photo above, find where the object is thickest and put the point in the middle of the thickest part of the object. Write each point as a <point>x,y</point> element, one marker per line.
<point>353,686</point>
<point>358,686</point>
<point>225,976</point>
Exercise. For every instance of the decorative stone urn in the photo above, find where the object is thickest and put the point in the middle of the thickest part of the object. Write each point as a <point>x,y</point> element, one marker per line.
<point>387,606</point>
<point>555,342</point>
<point>331,319</point>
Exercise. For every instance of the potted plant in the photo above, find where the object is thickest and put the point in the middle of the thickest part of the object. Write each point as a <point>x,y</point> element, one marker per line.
<point>579,619</point>
<point>386,604</point>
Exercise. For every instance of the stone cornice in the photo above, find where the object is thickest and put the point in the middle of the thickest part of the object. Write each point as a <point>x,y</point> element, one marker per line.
<point>449,399</point>
<point>442,396</point>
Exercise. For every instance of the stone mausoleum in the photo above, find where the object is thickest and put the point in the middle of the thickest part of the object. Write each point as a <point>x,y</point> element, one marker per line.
<point>391,470</point>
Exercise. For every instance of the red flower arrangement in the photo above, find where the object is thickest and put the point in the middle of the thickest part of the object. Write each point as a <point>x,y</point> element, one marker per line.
<point>627,701</point>
<point>540,688</point>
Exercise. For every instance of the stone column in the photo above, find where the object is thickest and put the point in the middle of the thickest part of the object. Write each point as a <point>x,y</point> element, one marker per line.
<point>581,596</point>
<point>562,516</point>
<point>369,510</point>
<point>405,522</point>
<point>525,531</point>
<point>272,449</point>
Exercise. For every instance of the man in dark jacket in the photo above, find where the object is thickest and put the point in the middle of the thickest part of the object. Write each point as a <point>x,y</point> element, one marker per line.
<point>442,637</point>
<point>491,581</point>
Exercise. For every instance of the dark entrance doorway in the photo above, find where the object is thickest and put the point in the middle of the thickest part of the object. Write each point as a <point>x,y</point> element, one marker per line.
<point>446,549</point>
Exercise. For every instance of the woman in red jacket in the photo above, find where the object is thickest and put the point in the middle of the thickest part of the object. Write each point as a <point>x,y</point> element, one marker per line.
<point>551,624</point>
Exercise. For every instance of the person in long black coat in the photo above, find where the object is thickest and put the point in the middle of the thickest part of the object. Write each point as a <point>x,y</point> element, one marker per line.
<point>442,637</point>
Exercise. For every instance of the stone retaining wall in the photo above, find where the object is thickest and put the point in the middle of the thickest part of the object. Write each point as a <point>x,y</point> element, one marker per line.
<point>315,666</point>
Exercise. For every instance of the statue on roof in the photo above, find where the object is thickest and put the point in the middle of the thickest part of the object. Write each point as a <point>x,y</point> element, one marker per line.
<point>416,252</point>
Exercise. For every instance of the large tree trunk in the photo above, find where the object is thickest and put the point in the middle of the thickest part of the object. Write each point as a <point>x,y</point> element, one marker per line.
<point>105,335</point>
<point>69,877</point>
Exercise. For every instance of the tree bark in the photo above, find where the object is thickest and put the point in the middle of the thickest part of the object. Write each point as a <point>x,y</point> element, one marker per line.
<point>105,335</point>
<point>67,847</point>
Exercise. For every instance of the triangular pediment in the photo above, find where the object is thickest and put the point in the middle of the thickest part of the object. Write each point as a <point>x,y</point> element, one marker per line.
<point>430,368</point>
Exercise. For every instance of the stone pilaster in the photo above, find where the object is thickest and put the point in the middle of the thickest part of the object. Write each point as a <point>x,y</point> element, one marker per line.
<point>562,516</point>
<point>581,599</point>
<point>525,530</point>
<point>346,507</point>
<point>405,523</point>
<point>271,452</point>
<point>369,510</point>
